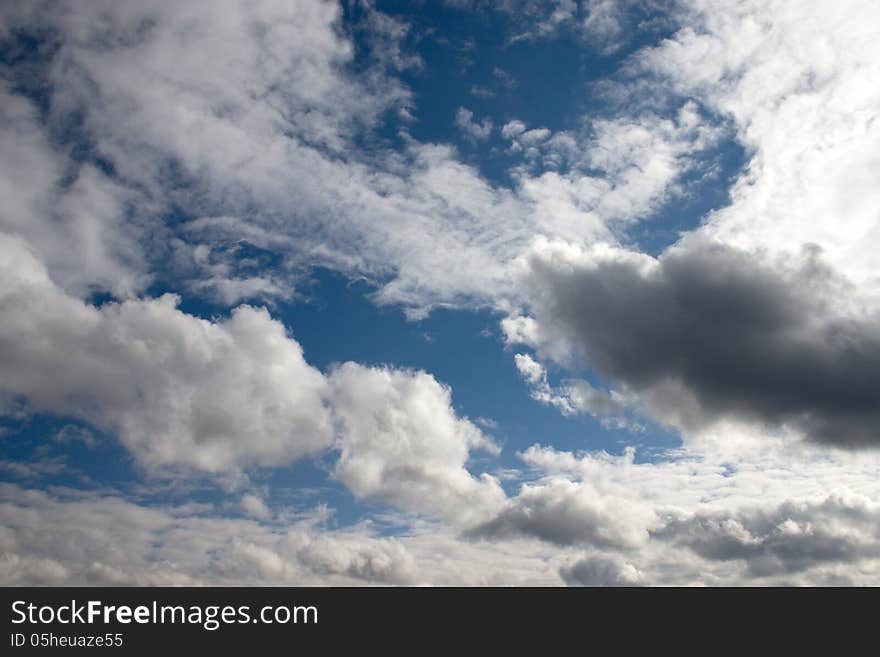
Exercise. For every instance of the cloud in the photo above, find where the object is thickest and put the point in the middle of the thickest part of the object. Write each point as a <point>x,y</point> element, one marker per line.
<point>473,131</point>
<point>790,538</point>
<point>481,92</point>
<point>245,126</point>
<point>706,332</point>
<point>93,539</point>
<point>255,507</point>
<point>563,512</point>
<point>530,369</point>
<point>74,216</point>
<point>587,519</point>
<point>178,390</point>
<point>225,395</point>
<point>796,82</point>
<point>574,396</point>
<point>763,313</point>
<point>402,443</point>
<point>754,516</point>
<point>150,141</point>
<point>183,393</point>
<point>105,540</point>
<point>71,434</point>
<point>601,571</point>
<point>603,25</point>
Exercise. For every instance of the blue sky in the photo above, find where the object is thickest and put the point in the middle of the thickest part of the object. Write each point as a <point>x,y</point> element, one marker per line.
<point>563,291</point>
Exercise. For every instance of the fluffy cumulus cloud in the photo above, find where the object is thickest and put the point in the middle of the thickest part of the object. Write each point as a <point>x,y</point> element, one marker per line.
<point>178,389</point>
<point>565,512</point>
<point>401,442</point>
<point>470,128</point>
<point>223,153</point>
<point>184,392</point>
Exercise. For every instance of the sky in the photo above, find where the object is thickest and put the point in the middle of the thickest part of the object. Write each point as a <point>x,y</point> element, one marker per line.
<point>529,292</point>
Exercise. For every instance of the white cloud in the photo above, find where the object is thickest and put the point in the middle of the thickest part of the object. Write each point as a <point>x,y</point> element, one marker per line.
<point>574,396</point>
<point>245,119</point>
<point>566,512</point>
<point>252,115</point>
<point>530,369</point>
<point>225,395</point>
<point>78,223</point>
<point>88,539</point>
<point>402,443</point>
<point>178,389</point>
<point>798,80</point>
<point>254,507</point>
<point>513,128</point>
<point>801,517</point>
<point>473,131</point>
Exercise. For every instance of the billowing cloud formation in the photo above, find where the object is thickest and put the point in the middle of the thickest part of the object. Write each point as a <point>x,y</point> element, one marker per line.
<point>766,312</point>
<point>221,396</point>
<point>797,80</point>
<point>148,141</point>
<point>570,513</point>
<point>788,539</point>
<point>178,389</point>
<point>796,521</point>
<point>706,333</point>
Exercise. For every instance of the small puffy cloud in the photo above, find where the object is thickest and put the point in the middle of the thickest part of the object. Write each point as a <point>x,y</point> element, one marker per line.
<point>481,92</point>
<point>368,560</point>
<point>523,140</point>
<point>254,507</point>
<point>530,369</point>
<point>472,130</point>
<point>513,128</point>
<point>71,434</point>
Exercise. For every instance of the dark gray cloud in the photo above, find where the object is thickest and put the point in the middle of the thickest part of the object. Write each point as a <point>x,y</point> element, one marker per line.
<point>790,538</point>
<point>708,332</point>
